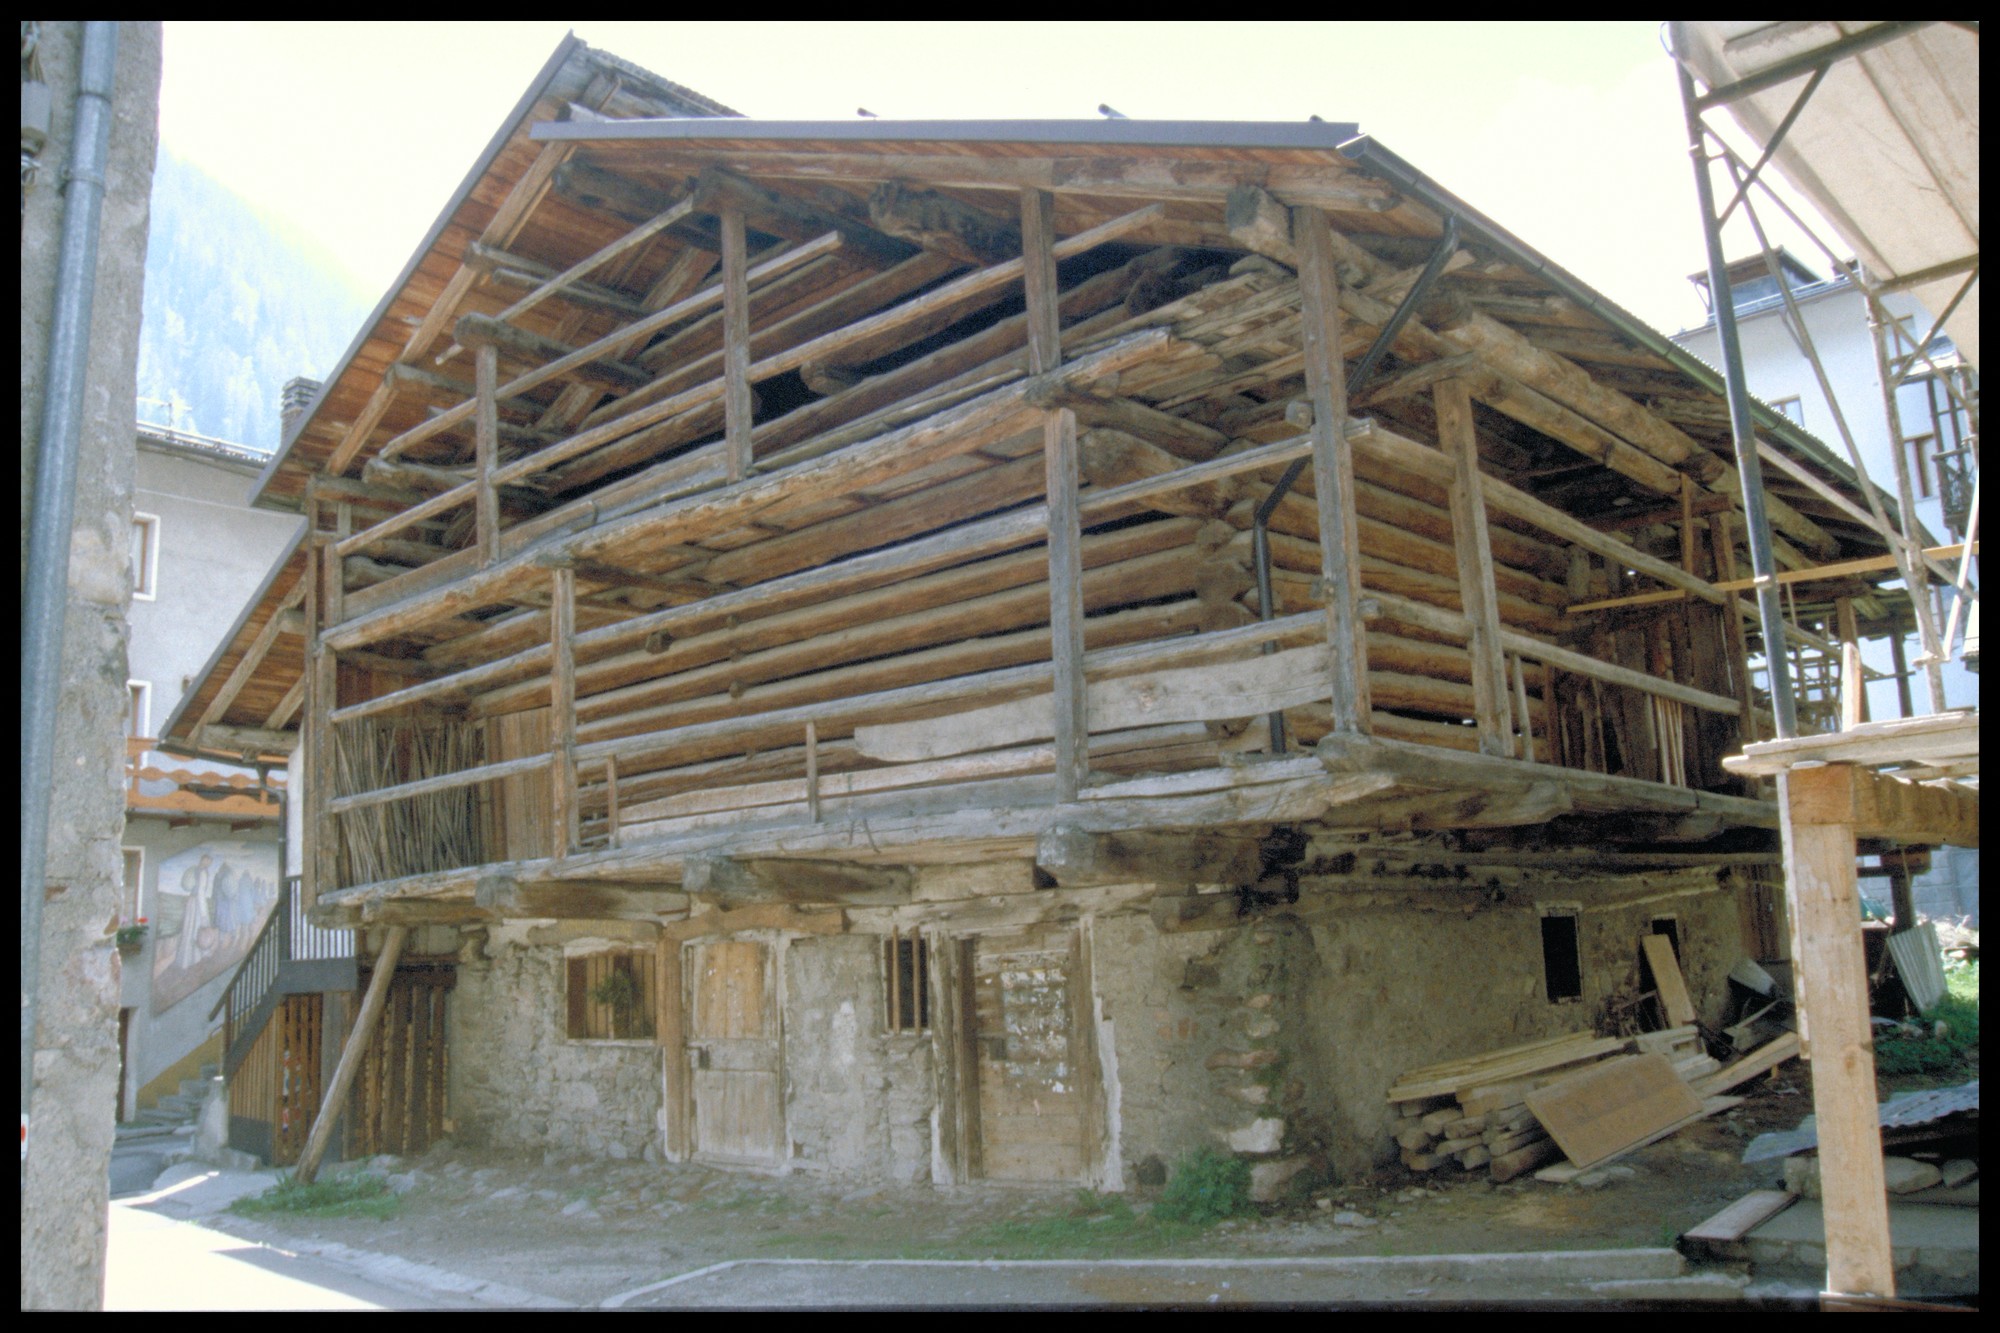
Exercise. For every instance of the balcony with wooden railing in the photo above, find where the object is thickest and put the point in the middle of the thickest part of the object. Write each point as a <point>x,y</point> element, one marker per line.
<point>237,796</point>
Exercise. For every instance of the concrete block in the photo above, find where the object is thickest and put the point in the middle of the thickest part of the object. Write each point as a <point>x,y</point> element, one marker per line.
<point>1957,1171</point>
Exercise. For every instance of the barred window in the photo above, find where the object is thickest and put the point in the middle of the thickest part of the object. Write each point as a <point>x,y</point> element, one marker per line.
<point>611,995</point>
<point>906,976</point>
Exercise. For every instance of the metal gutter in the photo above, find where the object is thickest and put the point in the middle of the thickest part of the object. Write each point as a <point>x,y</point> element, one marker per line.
<point>1311,134</point>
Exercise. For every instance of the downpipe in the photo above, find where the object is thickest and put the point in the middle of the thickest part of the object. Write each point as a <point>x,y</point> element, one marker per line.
<point>45,591</point>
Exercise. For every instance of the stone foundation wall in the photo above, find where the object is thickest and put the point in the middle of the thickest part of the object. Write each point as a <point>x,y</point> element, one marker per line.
<point>517,1080</point>
<point>1199,1035</point>
<point>1409,979</point>
<point>858,1099</point>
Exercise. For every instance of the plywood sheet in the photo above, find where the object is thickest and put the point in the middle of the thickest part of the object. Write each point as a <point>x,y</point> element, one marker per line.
<point>1667,979</point>
<point>1610,1107</point>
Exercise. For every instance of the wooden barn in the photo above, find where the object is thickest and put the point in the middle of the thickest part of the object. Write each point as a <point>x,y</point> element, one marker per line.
<point>1009,650</point>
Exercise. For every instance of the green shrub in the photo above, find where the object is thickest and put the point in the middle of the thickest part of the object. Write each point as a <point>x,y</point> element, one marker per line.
<point>1206,1186</point>
<point>341,1196</point>
<point>1955,1055</point>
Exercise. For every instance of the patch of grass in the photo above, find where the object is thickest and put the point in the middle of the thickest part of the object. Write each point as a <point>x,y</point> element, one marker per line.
<point>1952,1058</point>
<point>1206,1187</point>
<point>341,1196</point>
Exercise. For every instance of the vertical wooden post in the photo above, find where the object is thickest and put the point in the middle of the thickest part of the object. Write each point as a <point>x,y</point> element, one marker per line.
<point>1333,468</point>
<point>336,573</point>
<point>311,738</point>
<point>1687,524</point>
<point>1527,717</point>
<point>486,444</point>
<point>1739,642</point>
<point>1899,656</point>
<point>735,343</point>
<point>1853,674</point>
<point>611,796</point>
<point>1063,473</point>
<point>1816,807</point>
<point>562,714</point>
<point>672,1027</point>
<point>812,771</point>
<point>1476,589</point>
<point>350,1058</point>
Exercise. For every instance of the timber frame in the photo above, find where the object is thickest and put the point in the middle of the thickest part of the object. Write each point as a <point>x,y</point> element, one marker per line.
<point>716,495</point>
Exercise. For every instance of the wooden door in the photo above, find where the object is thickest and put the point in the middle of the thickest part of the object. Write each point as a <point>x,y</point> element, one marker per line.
<point>1033,1060</point>
<point>732,1052</point>
<point>296,1027</point>
<point>398,1102</point>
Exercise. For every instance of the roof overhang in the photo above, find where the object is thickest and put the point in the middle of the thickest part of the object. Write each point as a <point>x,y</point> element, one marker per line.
<point>1887,149</point>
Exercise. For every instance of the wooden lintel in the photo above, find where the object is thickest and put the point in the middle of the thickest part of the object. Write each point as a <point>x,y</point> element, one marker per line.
<point>1881,805</point>
<point>589,899</point>
<point>788,917</point>
<point>423,912</point>
<point>783,880</point>
<point>1180,913</point>
<point>217,738</point>
<point>1075,858</point>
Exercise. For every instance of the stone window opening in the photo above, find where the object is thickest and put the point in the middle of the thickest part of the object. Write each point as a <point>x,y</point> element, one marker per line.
<point>611,996</point>
<point>145,557</point>
<point>906,982</point>
<point>1562,958</point>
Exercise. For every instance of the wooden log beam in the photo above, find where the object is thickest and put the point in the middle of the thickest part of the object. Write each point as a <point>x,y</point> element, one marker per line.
<point>957,431</point>
<point>542,352</point>
<point>588,900</point>
<point>351,1056</point>
<point>943,224</point>
<point>284,620</point>
<point>764,880</point>
<point>1075,858</point>
<point>497,264</point>
<point>785,215</point>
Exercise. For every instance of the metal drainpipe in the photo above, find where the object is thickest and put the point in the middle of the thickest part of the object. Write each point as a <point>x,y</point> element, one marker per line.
<point>45,595</point>
<point>1763,568</point>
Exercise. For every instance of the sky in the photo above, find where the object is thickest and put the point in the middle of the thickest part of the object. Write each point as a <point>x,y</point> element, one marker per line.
<point>1569,135</point>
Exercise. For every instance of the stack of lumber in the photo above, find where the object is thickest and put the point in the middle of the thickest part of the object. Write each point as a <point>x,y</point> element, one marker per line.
<point>1576,1101</point>
<point>1474,1111</point>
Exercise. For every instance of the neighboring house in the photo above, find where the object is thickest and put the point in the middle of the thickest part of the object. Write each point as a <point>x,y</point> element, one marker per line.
<point>793,691</point>
<point>203,860</point>
<point>1938,447</point>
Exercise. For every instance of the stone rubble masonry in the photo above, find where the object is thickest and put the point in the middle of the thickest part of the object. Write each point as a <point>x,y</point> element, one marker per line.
<point>517,1080</point>
<point>65,1198</point>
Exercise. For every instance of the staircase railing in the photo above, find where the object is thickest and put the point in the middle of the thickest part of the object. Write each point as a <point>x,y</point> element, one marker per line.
<point>288,936</point>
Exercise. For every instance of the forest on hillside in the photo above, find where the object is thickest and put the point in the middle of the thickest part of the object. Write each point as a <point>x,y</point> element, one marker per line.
<point>236,304</point>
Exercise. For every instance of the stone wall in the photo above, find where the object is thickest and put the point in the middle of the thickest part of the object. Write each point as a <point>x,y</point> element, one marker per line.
<point>517,1080</point>
<point>1198,1036</point>
<point>858,1099</point>
<point>64,1197</point>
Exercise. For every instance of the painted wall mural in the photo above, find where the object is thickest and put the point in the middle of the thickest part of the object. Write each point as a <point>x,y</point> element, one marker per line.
<point>209,902</point>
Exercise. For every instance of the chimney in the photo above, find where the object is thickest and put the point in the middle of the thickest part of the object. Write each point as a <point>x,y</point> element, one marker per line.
<point>293,400</point>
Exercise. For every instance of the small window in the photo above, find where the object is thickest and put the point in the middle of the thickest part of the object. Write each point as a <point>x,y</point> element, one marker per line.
<point>906,976</point>
<point>1671,928</point>
<point>145,557</point>
<point>611,996</point>
<point>1791,408</point>
<point>1562,962</point>
<point>130,909</point>
<point>140,719</point>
